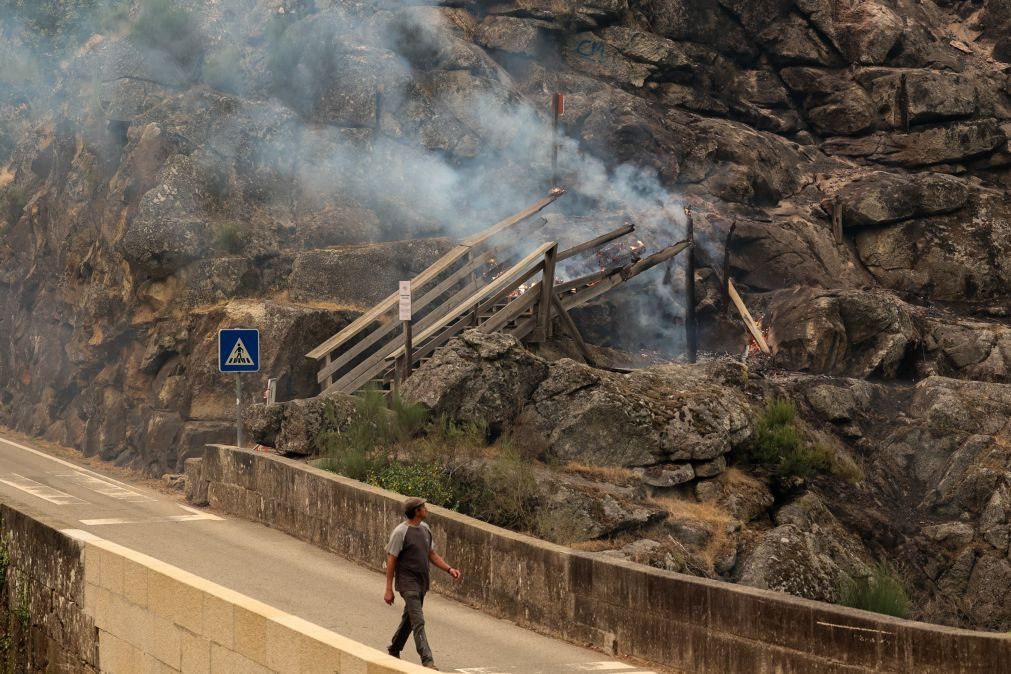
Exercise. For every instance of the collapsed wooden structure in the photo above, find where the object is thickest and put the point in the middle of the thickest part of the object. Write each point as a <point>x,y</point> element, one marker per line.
<point>472,287</point>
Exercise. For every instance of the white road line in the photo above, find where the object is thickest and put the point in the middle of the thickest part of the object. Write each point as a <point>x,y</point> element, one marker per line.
<point>106,487</point>
<point>196,516</point>
<point>612,666</point>
<point>72,466</point>
<point>42,491</point>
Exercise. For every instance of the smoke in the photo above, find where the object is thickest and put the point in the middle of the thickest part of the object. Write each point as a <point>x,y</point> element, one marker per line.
<point>377,105</point>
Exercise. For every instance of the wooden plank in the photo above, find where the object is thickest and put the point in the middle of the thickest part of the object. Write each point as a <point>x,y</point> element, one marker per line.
<point>583,280</point>
<point>424,277</point>
<point>503,294</point>
<point>376,335</point>
<point>381,355</point>
<point>389,324</point>
<point>584,295</point>
<point>595,243</point>
<point>528,212</point>
<point>749,322</point>
<point>570,327</point>
<point>492,289</point>
<point>510,312</point>
<point>543,331</point>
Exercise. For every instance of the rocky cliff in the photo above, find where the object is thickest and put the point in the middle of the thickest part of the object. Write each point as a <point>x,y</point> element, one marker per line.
<point>171,168</point>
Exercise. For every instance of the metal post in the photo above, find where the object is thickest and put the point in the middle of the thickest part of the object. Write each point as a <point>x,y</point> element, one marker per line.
<point>238,409</point>
<point>691,330</point>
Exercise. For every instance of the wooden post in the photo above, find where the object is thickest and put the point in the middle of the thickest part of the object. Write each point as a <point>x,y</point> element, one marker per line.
<point>408,350</point>
<point>544,307</point>
<point>691,329</point>
<point>570,327</point>
<point>837,220</point>
<point>726,267</point>
<point>557,108</point>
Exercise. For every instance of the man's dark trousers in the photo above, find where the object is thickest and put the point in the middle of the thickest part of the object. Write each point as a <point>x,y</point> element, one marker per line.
<point>413,620</point>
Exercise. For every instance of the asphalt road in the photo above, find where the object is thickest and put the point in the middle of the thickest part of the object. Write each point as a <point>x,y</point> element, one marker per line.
<point>275,568</point>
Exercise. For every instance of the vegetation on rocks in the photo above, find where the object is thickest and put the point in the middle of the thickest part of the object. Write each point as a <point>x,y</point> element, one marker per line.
<point>779,443</point>
<point>881,592</point>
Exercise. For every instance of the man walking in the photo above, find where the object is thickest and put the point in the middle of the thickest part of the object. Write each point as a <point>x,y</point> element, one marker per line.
<point>408,554</point>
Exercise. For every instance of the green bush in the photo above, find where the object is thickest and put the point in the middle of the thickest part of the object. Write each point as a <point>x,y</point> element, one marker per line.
<point>163,25</point>
<point>12,203</point>
<point>369,443</point>
<point>779,444</point>
<point>881,592</point>
<point>506,493</point>
<point>229,236</point>
<point>427,479</point>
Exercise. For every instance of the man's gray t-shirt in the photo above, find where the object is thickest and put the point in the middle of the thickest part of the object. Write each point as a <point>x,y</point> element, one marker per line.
<point>411,546</point>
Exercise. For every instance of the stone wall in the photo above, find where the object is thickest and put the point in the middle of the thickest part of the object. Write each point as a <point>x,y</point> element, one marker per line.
<point>43,627</point>
<point>78,603</point>
<point>626,609</point>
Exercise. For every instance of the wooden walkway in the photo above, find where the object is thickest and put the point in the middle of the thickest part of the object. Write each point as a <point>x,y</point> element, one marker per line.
<point>475,285</point>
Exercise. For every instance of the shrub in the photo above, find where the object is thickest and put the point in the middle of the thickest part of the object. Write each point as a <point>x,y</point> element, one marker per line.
<point>163,25</point>
<point>365,449</point>
<point>229,236</point>
<point>778,443</point>
<point>427,479</point>
<point>881,592</point>
<point>507,493</point>
<point>12,203</point>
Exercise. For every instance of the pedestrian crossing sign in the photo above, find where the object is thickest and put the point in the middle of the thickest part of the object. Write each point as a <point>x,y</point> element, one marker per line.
<point>239,350</point>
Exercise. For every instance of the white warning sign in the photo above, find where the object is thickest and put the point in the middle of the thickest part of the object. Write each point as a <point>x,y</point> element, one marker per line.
<point>239,355</point>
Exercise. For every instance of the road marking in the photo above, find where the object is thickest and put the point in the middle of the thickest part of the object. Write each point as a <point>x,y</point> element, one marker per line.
<point>42,491</point>
<point>603,667</point>
<point>72,466</point>
<point>854,629</point>
<point>106,487</point>
<point>195,517</point>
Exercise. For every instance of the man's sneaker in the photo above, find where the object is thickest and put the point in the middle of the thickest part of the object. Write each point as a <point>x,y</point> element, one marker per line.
<point>430,665</point>
<point>392,652</point>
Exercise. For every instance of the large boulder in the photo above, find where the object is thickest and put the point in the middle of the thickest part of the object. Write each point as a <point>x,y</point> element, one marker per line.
<point>833,102</point>
<point>966,349</point>
<point>477,377</point>
<point>881,198</point>
<point>170,228</point>
<point>660,417</point>
<point>957,257</point>
<point>845,332</point>
<point>809,553</point>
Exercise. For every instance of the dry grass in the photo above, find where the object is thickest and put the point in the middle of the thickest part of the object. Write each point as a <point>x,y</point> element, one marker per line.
<point>735,477</point>
<point>716,519</point>
<point>613,474</point>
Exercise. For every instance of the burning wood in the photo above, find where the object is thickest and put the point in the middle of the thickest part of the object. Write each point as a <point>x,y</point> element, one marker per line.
<point>753,327</point>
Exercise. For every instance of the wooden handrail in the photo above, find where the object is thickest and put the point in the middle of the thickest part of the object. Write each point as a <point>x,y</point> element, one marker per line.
<point>490,290</point>
<point>390,303</point>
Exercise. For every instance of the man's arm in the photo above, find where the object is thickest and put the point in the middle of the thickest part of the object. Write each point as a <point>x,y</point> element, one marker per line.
<point>434,558</point>
<point>391,567</point>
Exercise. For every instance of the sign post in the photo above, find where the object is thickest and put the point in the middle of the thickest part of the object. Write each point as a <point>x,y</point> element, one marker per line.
<point>405,316</point>
<point>238,351</point>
